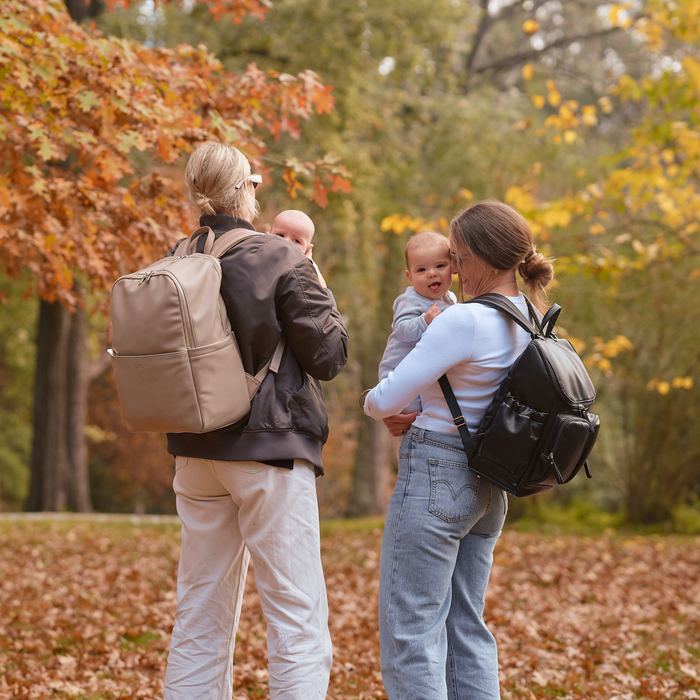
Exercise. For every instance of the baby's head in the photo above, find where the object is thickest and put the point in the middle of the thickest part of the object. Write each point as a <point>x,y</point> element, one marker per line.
<point>296,227</point>
<point>428,262</point>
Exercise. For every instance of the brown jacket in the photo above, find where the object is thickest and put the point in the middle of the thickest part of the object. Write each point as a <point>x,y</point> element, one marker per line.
<point>270,288</point>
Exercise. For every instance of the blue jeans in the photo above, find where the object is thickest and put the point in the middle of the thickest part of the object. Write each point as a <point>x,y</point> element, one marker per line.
<point>441,528</point>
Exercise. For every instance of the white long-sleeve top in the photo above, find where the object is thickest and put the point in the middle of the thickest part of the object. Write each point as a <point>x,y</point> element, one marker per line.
<point>474,345</point>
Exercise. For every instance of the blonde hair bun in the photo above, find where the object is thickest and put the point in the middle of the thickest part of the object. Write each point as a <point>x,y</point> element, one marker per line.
<point>212,173</point>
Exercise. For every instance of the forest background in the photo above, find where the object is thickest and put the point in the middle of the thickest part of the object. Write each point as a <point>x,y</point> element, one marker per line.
<point>584,115</point>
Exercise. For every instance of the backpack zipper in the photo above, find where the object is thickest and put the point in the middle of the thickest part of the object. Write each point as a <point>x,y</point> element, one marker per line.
<point>189,330</point>
<point>550,457</point>
<point>190,339</point>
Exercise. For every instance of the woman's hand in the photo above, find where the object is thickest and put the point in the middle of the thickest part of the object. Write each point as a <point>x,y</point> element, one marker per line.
<point>398,425</point>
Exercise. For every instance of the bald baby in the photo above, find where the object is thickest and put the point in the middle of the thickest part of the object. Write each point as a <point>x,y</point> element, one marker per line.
<point>296,227</point>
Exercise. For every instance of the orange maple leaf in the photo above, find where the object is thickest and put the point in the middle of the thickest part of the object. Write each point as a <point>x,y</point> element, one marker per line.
<point>341,184</point>
<point>325,102</point>
<point>320,193</point>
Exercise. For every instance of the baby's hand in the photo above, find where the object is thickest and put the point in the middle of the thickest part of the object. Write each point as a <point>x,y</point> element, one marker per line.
<point>432,313</point>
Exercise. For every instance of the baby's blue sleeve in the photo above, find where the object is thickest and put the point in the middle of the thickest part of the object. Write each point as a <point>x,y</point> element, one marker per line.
<point>409,320</point>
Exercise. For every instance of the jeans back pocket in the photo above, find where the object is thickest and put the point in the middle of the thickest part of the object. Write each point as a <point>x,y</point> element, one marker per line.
<point>454,489</point>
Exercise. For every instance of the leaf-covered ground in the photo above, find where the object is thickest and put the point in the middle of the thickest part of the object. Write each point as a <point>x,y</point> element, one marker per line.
<point>86,611</point>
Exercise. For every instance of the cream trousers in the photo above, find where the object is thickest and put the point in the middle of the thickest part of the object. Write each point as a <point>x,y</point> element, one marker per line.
<point>229,509</point>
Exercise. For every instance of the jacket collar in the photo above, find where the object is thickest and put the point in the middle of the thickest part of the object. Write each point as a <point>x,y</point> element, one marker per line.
<point>220,223</point>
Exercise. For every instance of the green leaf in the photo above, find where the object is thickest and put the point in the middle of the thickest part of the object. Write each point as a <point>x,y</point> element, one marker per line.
<point>47,150</point>
<point>88,99</point>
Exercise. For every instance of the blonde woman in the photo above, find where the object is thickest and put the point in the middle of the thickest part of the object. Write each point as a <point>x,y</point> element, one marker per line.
<point>249,489</point>
<point>443,521</point>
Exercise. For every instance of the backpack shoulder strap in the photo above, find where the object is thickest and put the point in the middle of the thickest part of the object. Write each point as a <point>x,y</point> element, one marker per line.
<point>504,305</point>
<point>469,442</point>
<point>228,240</point>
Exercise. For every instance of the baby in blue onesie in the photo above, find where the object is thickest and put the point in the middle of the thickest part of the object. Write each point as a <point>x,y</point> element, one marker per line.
<point>429,271</point>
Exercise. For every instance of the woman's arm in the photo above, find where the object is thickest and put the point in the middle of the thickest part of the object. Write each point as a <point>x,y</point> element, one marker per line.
<point>447,342</point>
<point>311,322</point>
<point>398,425</point>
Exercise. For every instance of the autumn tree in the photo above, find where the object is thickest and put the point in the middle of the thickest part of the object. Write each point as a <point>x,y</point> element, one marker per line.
<point>87,123</point>
<point>629,238</point>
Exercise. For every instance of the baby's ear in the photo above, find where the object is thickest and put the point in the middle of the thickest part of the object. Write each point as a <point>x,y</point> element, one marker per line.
<point>408,274</point>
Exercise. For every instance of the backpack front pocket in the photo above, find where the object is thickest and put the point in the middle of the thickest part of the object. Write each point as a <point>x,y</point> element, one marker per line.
<point>564,450</point>
<point>518,429</point>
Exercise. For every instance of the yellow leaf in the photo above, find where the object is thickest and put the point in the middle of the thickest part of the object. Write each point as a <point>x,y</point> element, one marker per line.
<point>581,172</point>
<point>538,101</point>
<point>466,194</point>
<point>415,224</point>
<point>624,342</point>
<point>588,113</point>
<point>554,98</point>
<point>668,155</point>
<point>579,345</point>
<point>442,221</point>
<point>388,222</point>
<point>570,136</point>
<point>596,229</point>
<point>687,382</point>
<point>528,71</point>
<point>522,125</point>
<point>677,383</point>
<point>556,217</point>
<point>530,26</point>
<point>605,104</point>
<point>520,198</point>
<point>663,388</point>
<point>605,364</point>
<point>551,85</point>
<point>556,139</point>
<point>652,384</point>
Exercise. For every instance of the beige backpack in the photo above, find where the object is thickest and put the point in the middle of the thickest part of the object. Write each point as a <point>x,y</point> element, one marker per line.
<point>176,362</point>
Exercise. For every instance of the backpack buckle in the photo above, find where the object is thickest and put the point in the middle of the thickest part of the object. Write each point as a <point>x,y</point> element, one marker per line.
<point>460,421</point>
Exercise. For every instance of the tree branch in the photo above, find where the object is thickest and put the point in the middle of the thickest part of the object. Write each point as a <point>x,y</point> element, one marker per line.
<point>525,56</point>
<point>481,32</point>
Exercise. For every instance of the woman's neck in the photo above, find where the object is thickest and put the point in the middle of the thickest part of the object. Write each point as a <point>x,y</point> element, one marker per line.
<point>502,283</point>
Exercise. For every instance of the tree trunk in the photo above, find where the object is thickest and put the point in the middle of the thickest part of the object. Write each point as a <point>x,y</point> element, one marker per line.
<point>77,482</point>
<point>59,477</point>
<point>59,463</point>
<point>80,10</point>
<point>373,468</point>
<point>375,457</point>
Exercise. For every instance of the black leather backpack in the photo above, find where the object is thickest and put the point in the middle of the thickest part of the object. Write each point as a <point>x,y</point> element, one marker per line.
<point>537,431</point>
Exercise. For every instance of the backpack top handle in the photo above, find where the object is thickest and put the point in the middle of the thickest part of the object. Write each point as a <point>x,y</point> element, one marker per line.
<point>193,240</point>
<point>550,318</point>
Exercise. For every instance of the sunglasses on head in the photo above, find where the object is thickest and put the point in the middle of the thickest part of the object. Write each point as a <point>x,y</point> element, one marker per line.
<point>254,179</point>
